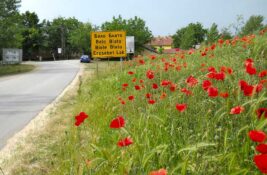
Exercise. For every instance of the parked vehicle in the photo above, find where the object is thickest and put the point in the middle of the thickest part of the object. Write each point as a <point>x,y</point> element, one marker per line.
<point>85,59</point>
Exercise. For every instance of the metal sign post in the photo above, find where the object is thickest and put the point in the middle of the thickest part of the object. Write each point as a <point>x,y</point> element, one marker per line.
<point>97,67</point>
<point>121,63</point>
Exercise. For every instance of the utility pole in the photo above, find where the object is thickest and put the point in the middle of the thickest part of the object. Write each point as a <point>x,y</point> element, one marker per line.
<point>62,41</point>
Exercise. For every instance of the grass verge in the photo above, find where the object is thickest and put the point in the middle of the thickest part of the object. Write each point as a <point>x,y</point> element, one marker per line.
<point>15,69</point>
<point>30,150</point>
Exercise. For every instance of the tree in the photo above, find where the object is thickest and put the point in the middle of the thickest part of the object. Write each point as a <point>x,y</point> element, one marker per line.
<point>238,24</point>
<point>80,38</point>
<point>213,33</point>
<point>177,38</point>
<point>226,34</point>
<point>134,27</point>
<point>10,26</point>
<point>32,35</point>
<point>253,24</point>
<point>189,36</point>
<point>9,8</point>
<point>58,34</point>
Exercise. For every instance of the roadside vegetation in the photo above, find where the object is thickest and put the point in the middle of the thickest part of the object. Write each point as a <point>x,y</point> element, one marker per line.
<point>15,69</point>
<point>197,112</point>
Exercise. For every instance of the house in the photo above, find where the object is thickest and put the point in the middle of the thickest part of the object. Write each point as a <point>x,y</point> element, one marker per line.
<point>164,42</point>
<point>161,42</point>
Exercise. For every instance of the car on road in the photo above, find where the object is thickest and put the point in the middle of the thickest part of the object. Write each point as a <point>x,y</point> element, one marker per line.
<point>85,59</point>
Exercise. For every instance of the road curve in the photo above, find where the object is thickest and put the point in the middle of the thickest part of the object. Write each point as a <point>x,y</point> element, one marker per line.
<point>23,96</point>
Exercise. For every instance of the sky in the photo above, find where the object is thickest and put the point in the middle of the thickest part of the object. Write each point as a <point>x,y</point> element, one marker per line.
<point>162,17</point>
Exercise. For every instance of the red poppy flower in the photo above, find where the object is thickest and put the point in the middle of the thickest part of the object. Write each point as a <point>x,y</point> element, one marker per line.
<point>159,172</point>
<point>262,112</point>
<point>224,69</point>
<point>142,62</point>
<point>151,101</point>
<point>257,136</point>
<point>261,162</point>
<point>263,82</point>
<point>229,70</point>
<point>258,87</point>
<point>141,81</point>
<point>178,68</point>
<point>118,122</point>
<point>243,84</point>
<point>219,76</point>
<point>237,110</point>
<point>131,97</point>
<point>181,107</point>
<point>130,73</point>
<point>213,46</point>
<point>165,82</point>
<point>137,87</point>
<point>155,86</point>
<point>123,102</point>
<point>153,57</point>
<point>190,52</point>
<point>163,95</point>
<point>262,148</point>
<point>80,118</point>
<point>248,62</point>
<point>203,54</point>
<point>125,142</point>
<point>248,90</point>
<point>212,69</point>
<point>173,87</point>
<point>212,91</point>
<point>186,91</point>
<point>150,74</point>
<point>125,85</point>
<point>262,73</point>
<point>211,75</point>
<point>224,95</point>
<point>251,70</point>
<point>220,41</point>
<point>191,81</point>
<point>148,95</point>
<point>134,80</point>
<point>206,84</point>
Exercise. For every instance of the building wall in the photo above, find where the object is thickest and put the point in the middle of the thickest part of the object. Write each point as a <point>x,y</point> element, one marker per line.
<point>164,47</point>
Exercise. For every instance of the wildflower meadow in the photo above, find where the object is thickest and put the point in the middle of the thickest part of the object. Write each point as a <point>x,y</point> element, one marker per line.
<point>196,112</point>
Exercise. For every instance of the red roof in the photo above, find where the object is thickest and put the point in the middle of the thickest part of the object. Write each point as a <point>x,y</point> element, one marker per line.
<point>161,41</point>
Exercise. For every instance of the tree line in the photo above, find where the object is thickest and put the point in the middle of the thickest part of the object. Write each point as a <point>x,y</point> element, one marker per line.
<point>43,38</point>
<point>194,34</point>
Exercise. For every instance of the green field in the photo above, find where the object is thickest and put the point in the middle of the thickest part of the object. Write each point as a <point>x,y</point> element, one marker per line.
<point>15,69</point>
<point>179,126</point>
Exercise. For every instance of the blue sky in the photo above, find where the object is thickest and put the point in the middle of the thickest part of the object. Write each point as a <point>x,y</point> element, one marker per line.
<point>162,17</point>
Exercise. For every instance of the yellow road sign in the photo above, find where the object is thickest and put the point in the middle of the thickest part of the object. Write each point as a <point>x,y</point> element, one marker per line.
<point>108,44</point>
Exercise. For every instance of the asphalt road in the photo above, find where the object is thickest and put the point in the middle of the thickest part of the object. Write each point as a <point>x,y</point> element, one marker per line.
<point>23,96</point>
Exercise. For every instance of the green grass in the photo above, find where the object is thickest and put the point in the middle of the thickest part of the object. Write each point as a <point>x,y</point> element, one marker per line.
<point>204,139</point>
<point>15,69</point>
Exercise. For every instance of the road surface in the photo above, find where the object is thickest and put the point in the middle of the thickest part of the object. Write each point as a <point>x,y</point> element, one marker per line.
<point>23,96</point>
